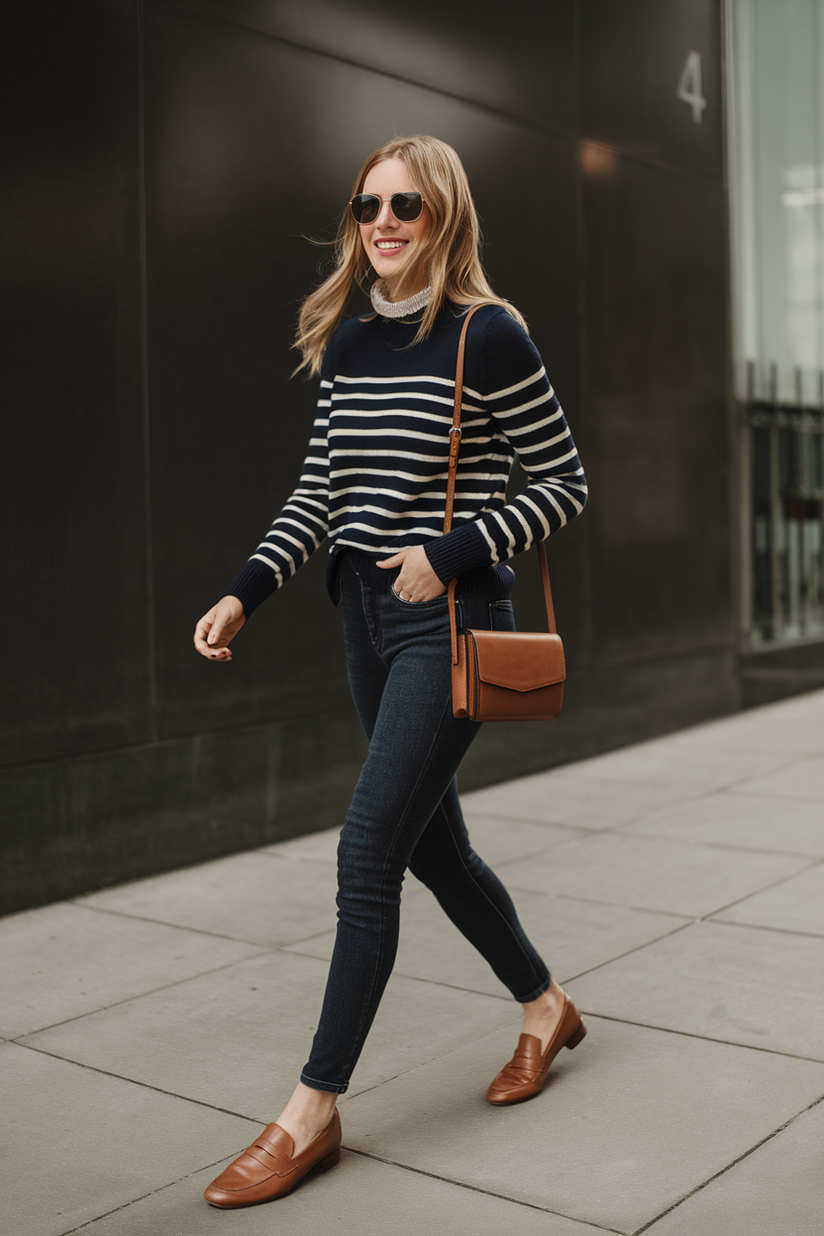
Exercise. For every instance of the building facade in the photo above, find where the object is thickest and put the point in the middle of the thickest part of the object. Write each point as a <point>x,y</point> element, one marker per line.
<point>777,187</point>
<point>171,163</point>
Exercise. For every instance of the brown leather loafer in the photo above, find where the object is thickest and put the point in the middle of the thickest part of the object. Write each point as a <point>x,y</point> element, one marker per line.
<point>268,1169</point>
<point>526,1072</point>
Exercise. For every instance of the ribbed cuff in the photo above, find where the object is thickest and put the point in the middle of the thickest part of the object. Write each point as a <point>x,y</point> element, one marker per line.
<point>460,550</point>
<point>252,585</point>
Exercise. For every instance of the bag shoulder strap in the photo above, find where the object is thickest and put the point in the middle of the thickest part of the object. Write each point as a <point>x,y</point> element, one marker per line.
<point>454,449</point>
<point>455,431</point>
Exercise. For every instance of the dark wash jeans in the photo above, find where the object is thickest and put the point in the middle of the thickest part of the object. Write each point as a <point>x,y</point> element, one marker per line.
<point>405,813</point>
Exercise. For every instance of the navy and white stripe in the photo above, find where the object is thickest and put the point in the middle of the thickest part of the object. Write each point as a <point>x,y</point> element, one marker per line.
<point>375,474</point>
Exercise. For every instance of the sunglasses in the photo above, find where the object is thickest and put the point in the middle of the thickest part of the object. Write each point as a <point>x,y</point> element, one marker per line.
<point>406,207</point>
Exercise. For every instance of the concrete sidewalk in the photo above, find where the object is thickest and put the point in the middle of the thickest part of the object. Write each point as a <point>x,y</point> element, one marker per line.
<point>677,890</point>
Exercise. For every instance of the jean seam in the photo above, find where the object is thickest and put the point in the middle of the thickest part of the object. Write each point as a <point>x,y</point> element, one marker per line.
<point>390,849</point>
<point>369,615</point>
<point>492,905</point>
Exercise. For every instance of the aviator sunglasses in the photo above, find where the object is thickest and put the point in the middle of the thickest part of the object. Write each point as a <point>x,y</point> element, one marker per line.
<point>406,207</point>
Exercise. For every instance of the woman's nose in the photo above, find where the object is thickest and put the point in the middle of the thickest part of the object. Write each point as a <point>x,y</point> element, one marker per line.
<point>385,217</point>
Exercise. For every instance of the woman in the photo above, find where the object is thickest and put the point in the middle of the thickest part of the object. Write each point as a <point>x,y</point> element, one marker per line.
<point>374,482</point>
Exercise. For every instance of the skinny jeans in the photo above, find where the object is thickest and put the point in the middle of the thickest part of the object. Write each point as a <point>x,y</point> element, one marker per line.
<point>405,813</point>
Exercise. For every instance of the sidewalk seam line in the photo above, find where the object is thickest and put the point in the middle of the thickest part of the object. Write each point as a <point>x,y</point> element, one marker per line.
<point>732,1164</point>
<point>461,1184</point>
<point>782,931</point>
<point>134,1201</point>
<point>766,888</point>
<point>629,952</point>
<point>704,1038</point>
<point>134,1081</point>
<point>212,935</point>
<point>104,1008</point>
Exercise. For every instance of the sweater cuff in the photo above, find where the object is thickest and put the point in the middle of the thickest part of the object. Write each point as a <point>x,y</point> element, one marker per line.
<point>252,585</point>
<point>460,550</point>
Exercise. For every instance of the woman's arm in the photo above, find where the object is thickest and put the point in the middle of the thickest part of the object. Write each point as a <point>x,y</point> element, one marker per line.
<point>516,394</point>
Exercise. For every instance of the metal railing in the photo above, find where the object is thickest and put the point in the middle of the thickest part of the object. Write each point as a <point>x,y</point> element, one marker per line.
<point>787,486</point>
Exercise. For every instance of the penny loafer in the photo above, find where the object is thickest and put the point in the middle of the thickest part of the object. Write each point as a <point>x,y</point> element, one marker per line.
<point>526,1072</point>
<point>270,1168</point>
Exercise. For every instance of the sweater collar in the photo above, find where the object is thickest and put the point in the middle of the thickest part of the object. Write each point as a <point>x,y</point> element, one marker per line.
<point>398,308</point>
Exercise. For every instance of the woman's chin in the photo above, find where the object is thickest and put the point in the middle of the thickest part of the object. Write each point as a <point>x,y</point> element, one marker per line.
<point>389,271</point>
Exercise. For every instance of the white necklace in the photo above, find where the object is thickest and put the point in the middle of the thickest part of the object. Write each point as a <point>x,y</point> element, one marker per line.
<point>398,308</point>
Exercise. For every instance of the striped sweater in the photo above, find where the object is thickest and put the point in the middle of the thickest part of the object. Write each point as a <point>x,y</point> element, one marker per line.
<point>374,478</point>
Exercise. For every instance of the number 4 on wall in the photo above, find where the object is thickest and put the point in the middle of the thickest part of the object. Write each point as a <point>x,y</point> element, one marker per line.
<point>689,86</point>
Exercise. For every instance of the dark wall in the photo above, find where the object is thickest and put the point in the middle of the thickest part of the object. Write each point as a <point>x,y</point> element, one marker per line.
<point>168,162</point>
<point>73,483</point>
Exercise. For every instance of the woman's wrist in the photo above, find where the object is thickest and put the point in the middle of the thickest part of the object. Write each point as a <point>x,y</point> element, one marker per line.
<point>457,551</point>
<point>252,585</point>
<point>233,604</point>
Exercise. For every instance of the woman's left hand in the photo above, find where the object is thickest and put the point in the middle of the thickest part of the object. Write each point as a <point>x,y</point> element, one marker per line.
<point>416,581</point>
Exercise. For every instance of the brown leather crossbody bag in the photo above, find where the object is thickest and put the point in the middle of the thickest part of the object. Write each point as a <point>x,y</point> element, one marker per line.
<point>500,675</point>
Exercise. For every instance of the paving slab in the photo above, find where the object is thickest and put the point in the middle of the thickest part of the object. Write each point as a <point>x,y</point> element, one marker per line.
<point>778,1190</point>
<point>806,707</point>
<point>255,897</point>
<point>63,960</point>
<point>723,981</point>
<point>571,935</point>
<point>794,905</point>
<point>319,847</point>
<point>670,760</point>
<point>500,839</point>
<point>360,1197</point>
<point>628,1124</point>
<point>771,733</point>
<point>496,838</point>
<point>652,873</point>
<point>239,1039</point>
<point>207,984</point>
<point>554,798</point>
<point>77,1143</point>
<point>750,821</point>
<point>802,779</point>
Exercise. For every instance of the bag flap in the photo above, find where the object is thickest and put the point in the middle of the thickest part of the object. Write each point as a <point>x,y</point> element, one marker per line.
<point>519,660</point>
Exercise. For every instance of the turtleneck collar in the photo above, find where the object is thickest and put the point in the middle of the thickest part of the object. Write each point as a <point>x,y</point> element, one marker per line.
<point>398,308</point>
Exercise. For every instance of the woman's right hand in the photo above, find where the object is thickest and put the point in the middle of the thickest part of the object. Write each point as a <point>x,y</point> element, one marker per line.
<point>218,627</point>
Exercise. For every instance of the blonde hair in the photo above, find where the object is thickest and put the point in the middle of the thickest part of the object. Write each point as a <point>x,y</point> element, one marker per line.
<point>449,257</point>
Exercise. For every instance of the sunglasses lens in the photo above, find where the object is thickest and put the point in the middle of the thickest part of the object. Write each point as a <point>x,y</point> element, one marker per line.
<point>365,207</point>
<point>407,206</point>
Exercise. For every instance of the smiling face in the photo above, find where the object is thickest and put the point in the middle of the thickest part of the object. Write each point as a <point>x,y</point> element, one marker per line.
<point>389,244</point>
